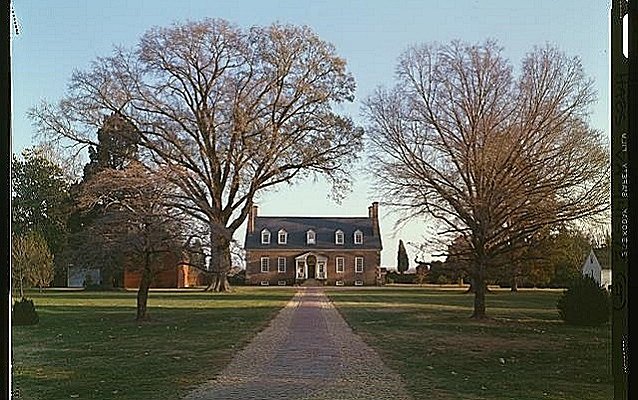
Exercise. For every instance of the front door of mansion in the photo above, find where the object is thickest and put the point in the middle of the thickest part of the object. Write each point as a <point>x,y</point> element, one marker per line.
<point>311,261</point>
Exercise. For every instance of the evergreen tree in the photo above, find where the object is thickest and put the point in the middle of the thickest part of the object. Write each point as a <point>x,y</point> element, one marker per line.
<point>116,148</point>
<point>403,262</point>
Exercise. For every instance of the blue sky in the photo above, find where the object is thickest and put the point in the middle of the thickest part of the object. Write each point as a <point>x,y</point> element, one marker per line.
<point>60,36</point>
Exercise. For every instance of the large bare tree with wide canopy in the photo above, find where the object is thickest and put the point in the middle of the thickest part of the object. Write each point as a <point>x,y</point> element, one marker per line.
<point>491,156</point>
<point>231,112</point>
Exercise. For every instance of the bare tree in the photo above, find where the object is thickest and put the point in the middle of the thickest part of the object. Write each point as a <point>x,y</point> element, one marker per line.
<point>231,112</point>
<point>489,156</point>
<point>134,221</point>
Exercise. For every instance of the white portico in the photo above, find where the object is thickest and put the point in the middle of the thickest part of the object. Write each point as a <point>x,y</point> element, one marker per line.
<point>311,266</point>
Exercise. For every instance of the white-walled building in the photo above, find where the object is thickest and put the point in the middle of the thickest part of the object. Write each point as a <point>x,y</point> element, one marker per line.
<point>78,277</point>
<point>593,268</point>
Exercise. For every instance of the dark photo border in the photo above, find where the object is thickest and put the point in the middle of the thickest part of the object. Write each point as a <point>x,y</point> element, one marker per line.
<point>624,94</point>
<point>5,193</point>
<point>624,131</point>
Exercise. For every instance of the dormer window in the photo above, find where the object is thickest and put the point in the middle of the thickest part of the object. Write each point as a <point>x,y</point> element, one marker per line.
<point>311,237</point>
<point>358,237</point>
<point>282,237</point>
<point>265,236</point>
<point>339,237</point>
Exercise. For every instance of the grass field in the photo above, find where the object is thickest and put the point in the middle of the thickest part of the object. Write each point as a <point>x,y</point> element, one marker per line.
<point>88,345</point>
<point>525,352</point>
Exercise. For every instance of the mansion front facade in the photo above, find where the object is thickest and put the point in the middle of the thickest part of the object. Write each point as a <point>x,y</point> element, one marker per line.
<point>335,251</point>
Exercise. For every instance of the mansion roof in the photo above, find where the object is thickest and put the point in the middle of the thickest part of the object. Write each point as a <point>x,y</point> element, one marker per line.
<point>325,229</point>
<point>603,255</point>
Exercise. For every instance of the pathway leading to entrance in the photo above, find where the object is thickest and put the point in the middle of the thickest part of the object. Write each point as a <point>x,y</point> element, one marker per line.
<point>307,352</point>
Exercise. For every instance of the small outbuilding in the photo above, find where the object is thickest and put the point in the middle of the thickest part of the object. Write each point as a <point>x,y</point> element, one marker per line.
<point>78,277</point>
<point>171,272</point>
<point>598,267</point>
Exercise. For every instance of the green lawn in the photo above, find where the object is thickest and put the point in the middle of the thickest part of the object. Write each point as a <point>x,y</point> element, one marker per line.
<point>88,345</point>
<point>525,352</point>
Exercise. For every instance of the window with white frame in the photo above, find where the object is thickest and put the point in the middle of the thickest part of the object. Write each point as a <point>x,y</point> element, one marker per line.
<point>321,270</point>
<point>339,264</point>
<point>311,237</point>
<point>265,236</point>
<point>358,264</point>
<point>300,269</point>
<point>281,264</point>
<point>358,237</point>
<point>339,237</point>
<point>265,264</point>
<point>282,237</point>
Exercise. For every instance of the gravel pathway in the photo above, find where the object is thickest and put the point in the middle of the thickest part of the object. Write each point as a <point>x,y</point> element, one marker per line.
<point>307,352</point>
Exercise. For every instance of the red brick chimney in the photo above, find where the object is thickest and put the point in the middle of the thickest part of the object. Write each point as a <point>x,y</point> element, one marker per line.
<point>252,214</point>
<point>373,214</point>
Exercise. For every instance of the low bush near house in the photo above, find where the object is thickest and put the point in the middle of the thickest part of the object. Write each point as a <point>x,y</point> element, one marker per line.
<point>584,303</point>
<point>238,279</point>
<point>395,277</point>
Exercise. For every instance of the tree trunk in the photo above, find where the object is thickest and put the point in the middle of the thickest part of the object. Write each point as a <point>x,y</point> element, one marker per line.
<point>108,279</point>
<point>219,283</point>
<point>142,293</point>
<point>480,288</point>
<point>471,288</point>
<point>59,277</point>
<point>220,263</point>
<point>514,284</point>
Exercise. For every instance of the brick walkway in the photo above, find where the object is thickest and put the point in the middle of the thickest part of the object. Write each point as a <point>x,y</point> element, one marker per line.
<point>307,352</point>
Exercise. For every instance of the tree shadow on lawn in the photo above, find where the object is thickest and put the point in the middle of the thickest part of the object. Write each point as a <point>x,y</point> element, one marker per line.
<point>514,355</point>
<point>177,296</point>
<point>509,306</point>
<point>102,352</point>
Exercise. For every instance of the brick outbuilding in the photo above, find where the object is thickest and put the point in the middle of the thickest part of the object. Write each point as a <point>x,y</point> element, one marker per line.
<point>172,272</point>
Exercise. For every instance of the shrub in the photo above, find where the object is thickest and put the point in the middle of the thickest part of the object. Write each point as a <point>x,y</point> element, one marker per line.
<point>421,276</point>
<point>89,285</point>
<point>395,277</point>
<point>584,303</point>
<point>237,279</point>
<point>23,313</point>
